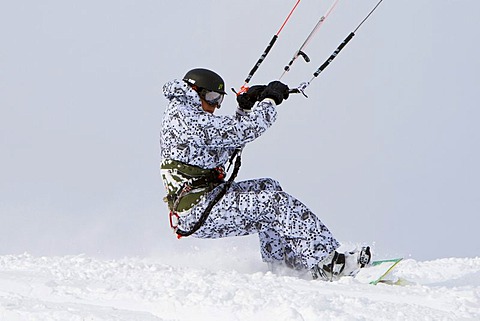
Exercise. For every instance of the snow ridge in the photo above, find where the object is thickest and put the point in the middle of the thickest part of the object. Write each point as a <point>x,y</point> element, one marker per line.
<point>85,288</point>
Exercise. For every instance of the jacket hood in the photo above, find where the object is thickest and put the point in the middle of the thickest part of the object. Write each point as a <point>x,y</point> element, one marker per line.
<point>180,92</point>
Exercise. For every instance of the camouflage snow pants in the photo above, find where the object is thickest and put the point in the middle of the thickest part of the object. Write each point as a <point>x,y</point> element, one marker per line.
<point>289,232</point>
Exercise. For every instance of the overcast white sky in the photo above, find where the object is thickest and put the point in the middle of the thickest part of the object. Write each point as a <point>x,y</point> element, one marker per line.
<point>385,150</point>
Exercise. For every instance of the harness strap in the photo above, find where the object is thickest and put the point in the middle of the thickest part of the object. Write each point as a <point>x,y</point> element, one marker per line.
<point>238,162</point>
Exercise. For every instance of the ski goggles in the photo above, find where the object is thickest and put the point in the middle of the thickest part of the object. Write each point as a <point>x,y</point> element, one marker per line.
<point>211,97</point>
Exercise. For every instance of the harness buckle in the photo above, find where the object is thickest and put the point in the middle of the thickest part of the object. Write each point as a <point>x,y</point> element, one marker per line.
<point>219,175</point>
<point>174,220</point>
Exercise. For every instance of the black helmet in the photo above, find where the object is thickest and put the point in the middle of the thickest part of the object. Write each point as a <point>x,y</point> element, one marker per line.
<point>206,79</point>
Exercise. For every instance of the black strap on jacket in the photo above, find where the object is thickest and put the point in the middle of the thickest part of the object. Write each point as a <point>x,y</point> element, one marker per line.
<point>238,162</point>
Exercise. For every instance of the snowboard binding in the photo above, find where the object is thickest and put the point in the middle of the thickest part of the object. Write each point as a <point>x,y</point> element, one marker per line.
<point>337,264</point>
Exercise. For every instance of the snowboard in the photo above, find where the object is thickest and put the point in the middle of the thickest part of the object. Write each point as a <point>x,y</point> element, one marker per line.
<point>379,272</point>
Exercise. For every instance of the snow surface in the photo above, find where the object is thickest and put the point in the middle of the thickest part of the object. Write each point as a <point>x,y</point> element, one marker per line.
<point>199,288</point>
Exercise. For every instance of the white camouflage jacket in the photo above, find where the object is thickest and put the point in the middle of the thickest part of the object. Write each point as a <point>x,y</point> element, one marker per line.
<point>195,137</point>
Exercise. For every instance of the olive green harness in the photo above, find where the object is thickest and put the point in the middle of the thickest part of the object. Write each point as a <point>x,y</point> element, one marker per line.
<point>187,184</point>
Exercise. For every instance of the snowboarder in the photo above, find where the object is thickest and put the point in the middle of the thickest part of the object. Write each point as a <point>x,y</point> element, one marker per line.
<point>195,147</point>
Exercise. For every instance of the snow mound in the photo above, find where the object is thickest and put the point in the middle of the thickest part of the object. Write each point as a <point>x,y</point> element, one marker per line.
<point>84,288</point>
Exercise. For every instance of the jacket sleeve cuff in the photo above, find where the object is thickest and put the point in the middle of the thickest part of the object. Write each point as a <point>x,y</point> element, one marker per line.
<point>242,112</point>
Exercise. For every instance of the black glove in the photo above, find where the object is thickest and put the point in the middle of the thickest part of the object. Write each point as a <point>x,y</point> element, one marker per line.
<point>276,91</point>
<point>247,99</point>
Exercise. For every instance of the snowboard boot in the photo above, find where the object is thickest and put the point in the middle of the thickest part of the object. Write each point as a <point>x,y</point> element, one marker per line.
<point>364,256</point>
<point>337,264</point>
